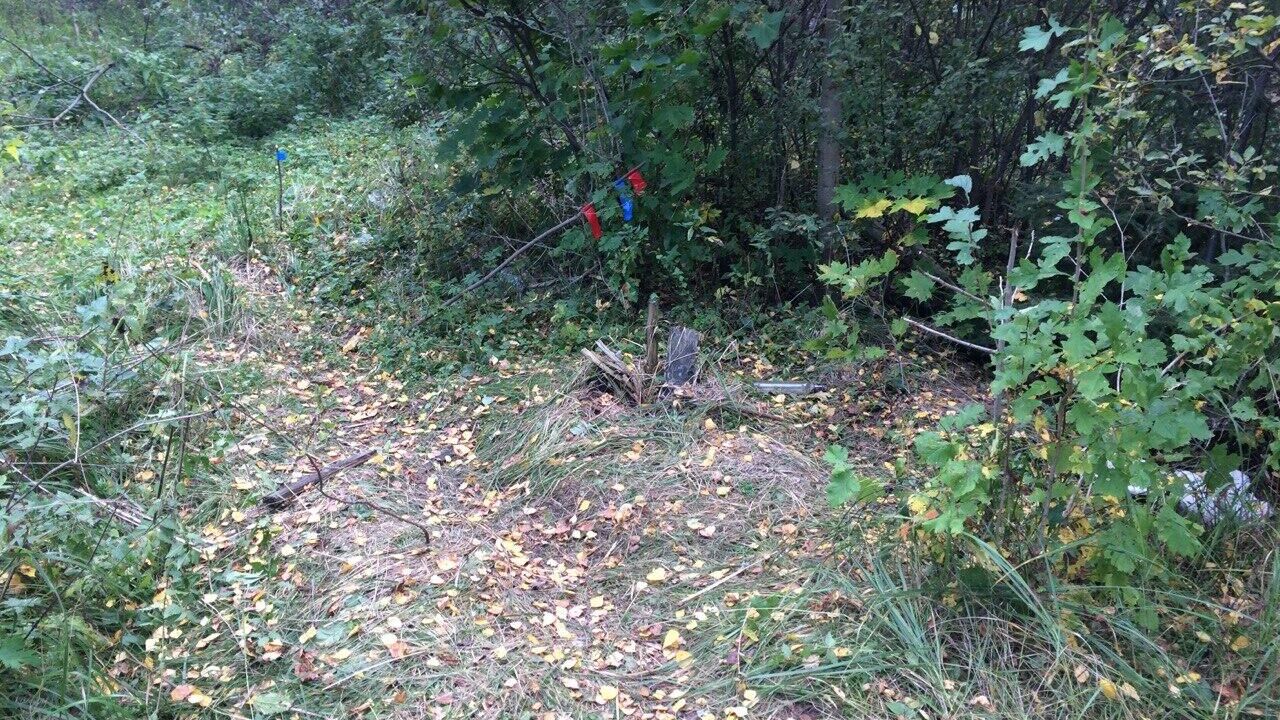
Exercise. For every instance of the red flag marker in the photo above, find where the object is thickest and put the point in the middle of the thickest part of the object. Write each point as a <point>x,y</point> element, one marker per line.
<point>593,220</point>
<point>637,181</point>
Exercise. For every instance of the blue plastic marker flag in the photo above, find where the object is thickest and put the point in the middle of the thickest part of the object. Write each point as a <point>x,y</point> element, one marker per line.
<point>624,200</point>
<point>281,155</point>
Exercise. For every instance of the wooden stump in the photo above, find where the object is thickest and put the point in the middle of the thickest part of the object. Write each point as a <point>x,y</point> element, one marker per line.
<point>682,356</point>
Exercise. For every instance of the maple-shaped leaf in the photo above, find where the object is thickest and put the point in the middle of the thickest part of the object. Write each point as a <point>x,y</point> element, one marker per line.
<point>842,487</point>
<point>915,206</point>
<point>873,208</point>
<point>918,286</point>
<point>766,31</point>
<point>270,703</point>
<point>1177,532</point>
<point>1036,38</point>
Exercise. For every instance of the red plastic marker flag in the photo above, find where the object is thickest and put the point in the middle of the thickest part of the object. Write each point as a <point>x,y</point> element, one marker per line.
<point>637,181</point>
<point>593,220</point>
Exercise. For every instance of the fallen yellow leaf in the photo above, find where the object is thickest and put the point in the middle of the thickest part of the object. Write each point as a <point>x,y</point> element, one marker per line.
<point>671,639</point>
<point>354,341</point>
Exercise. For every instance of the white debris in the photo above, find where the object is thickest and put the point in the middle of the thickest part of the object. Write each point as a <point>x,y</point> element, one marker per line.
<point>1233,500</point>
<point>381,197</point>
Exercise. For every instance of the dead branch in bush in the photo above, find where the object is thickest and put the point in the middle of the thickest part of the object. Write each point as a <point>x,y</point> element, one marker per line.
<point>45,68</point>
<point>122,508</point>
<point>82,91</point>
<point>83,96</point>
<point>511,258</point>
<point>319,474</point>
<point>938,333</point>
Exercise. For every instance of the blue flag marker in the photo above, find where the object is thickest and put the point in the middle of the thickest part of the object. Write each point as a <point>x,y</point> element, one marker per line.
<point>281,155</point>
<point>624,200</point>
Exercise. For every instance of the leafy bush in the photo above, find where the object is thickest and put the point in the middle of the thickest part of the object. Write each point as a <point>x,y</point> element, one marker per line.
<point>1108,373</point>
<point>81,405</point>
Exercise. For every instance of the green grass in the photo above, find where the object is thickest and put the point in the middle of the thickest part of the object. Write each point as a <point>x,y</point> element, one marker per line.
<point>84,592</point>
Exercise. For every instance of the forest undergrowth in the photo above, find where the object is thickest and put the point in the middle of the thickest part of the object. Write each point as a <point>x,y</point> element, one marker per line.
<point>583,553</point>
<point>232,265</point>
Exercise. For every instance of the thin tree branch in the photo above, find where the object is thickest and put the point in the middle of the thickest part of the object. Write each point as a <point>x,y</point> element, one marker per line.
<point>952,338</point>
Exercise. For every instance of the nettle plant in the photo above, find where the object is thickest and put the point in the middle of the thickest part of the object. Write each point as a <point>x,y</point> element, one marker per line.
<point>1120,353</point>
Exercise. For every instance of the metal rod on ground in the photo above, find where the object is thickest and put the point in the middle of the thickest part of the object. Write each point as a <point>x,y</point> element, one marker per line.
<point>279,191</point>
<point>788,388</point>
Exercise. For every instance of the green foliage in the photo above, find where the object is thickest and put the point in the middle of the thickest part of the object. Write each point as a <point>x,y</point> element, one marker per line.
<point>715,103</point>
<point>211,71</point>
<point>845,484</point>
<point>1112,369</point>
<point>841,333</point>
<point>106,318</point>
<point>80,402</point>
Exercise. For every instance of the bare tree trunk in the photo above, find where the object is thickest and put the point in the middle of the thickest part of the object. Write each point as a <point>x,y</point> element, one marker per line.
<point>828,129</point>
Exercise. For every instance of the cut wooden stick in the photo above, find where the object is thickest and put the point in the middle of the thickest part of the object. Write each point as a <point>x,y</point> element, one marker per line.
<point>288,493</point>
<point>651,344</point>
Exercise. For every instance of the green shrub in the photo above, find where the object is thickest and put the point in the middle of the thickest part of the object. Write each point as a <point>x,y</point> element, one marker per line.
<point>1109,374</point>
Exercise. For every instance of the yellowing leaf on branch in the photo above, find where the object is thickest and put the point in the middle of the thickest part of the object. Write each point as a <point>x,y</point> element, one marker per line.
<point>915,206</point>
<point>873,208</point>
